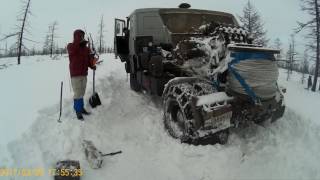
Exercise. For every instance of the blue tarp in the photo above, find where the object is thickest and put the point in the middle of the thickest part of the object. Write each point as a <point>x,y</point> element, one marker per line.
<point>237,57</point>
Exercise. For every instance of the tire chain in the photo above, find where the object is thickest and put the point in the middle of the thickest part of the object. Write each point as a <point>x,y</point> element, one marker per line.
<point>184,92</point>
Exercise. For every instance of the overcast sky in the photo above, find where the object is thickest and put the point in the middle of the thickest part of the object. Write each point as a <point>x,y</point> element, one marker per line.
<point>280,16</point>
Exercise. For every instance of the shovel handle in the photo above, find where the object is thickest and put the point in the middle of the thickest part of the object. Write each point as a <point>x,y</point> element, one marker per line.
<point>61,89</point>
<point>94,74</point>
<point>111,154</point>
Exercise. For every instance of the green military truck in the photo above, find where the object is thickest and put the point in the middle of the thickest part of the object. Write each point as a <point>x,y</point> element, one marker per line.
<point>204,65</point>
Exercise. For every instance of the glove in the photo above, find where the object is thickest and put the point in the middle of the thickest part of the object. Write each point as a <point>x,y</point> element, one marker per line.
<point>94,61</point>
<point>83,43</point>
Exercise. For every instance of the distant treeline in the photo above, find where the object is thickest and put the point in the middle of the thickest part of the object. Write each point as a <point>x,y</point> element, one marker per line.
<point>44,51</point>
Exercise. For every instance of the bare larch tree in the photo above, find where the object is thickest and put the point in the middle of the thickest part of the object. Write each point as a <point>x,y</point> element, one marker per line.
<point>277,44</point>
<point>22,28</point>
<point>23,25</point>
<point>251,21</point>
<point>46,45</point>
<point>291,57</point>
<point>313,26</point>
<point>304,66</point>
<point>101,35</point>
<point>52,36</point>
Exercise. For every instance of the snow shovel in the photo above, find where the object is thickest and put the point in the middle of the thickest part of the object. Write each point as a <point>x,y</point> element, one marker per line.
<point>94,100</point>
<point>93,156</point>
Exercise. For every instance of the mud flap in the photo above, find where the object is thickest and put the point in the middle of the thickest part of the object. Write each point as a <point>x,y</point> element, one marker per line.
<point>215,110</point>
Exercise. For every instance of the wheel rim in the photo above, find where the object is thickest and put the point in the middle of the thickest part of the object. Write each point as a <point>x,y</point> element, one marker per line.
<point>180,120</point>
<point>175,120</point>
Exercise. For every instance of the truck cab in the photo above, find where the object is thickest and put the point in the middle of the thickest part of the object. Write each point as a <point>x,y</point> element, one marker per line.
<point>137,37</point>
<point>201,63</point>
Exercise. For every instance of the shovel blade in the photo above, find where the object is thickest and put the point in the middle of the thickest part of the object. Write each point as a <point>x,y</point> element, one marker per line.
<point>92,154</point>
<point>94,100</point>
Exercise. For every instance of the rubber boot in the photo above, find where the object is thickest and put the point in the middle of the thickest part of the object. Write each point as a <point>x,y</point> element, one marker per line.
<point>79,116</point>
<point>83,110</point>
<point>78,106</point>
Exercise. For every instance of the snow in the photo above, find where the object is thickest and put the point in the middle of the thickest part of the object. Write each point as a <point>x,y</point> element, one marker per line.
<point>303,102</point>
<point>132,122</point>
<point>28,88</point>
<point>213,98</point>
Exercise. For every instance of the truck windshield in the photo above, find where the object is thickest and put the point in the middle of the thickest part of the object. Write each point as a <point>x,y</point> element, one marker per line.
<point>189,22</point>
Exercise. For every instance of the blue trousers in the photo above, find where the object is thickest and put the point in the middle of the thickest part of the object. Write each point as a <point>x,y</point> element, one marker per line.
<point>78,105</point>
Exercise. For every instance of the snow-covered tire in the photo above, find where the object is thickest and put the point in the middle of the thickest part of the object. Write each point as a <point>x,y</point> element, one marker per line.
<point>175,120</point>
<point>179,118</point>
<point>134,84</point>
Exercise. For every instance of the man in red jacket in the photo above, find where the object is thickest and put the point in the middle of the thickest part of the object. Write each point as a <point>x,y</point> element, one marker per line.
<point>80,59</point>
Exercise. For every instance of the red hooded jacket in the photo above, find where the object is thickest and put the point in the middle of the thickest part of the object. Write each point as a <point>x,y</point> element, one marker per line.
<point>79,55</point>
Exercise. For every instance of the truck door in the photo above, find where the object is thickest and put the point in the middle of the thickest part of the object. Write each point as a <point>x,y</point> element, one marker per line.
<point>121,39</point>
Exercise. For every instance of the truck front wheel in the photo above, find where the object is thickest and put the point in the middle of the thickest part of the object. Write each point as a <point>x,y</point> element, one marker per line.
<point>175,121</point>
<point>179,118</point>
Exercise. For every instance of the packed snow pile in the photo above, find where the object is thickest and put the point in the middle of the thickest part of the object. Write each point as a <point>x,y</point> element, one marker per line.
<point>132,122</point>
